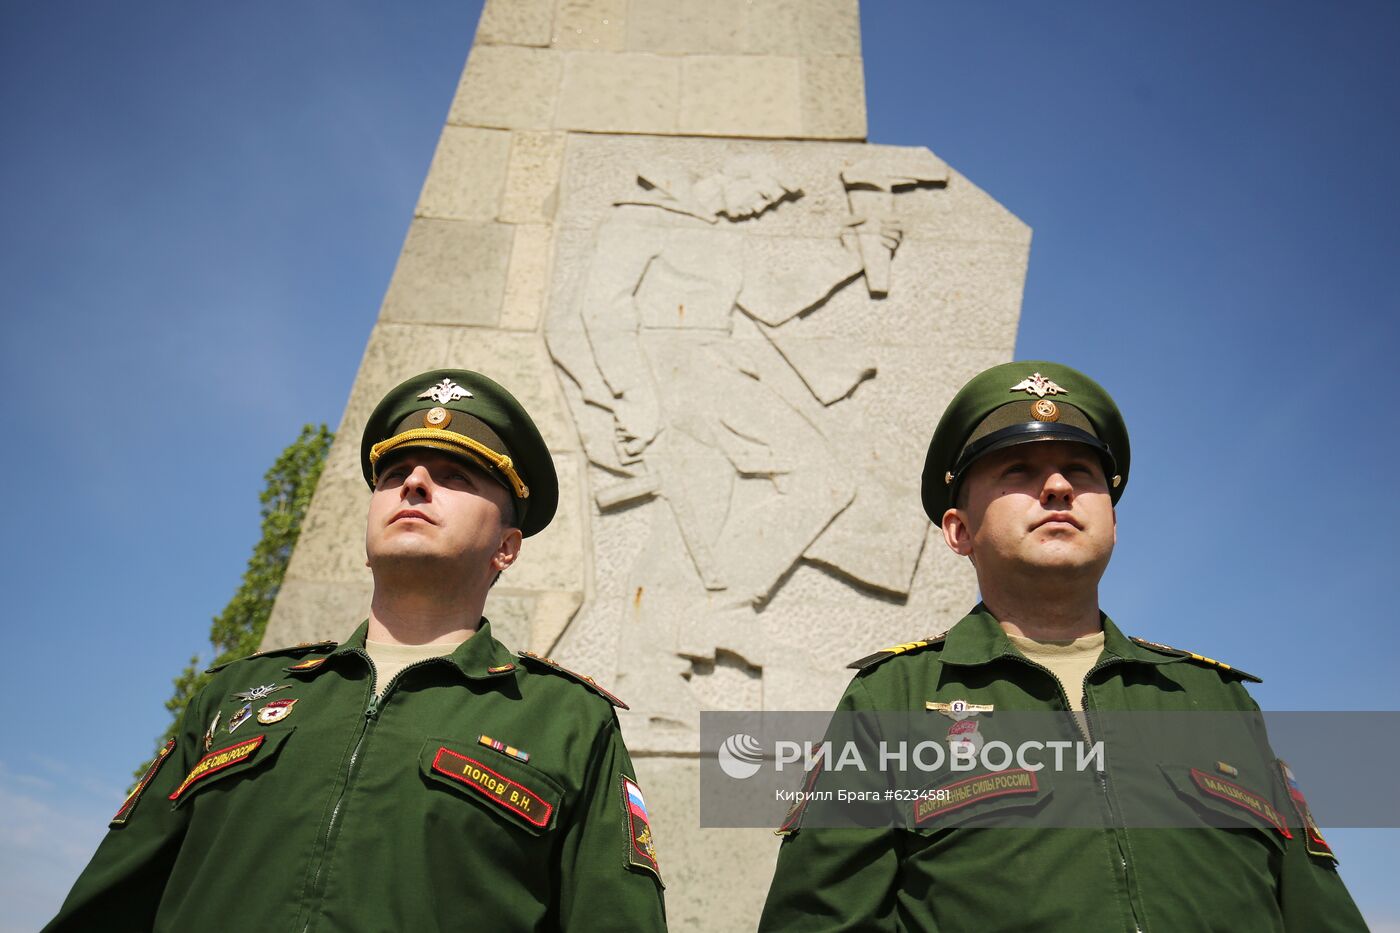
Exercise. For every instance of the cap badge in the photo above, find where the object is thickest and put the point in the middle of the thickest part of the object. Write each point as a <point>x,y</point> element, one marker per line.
<point>449,391</point>
<point>1045,410</point>
<point>437,418</point>
<point>1037,385</point>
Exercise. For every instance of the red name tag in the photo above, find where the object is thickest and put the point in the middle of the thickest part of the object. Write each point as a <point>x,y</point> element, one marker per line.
<point>494,786</point>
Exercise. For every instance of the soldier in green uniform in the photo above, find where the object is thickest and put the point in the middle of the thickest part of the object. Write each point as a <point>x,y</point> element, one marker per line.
<point>418,775</point>
<point>1023,475</point>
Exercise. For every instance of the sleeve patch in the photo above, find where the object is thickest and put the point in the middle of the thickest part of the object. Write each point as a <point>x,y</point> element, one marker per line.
<point>1312,835</point>
<point>129,804</point>
<point>214,762</point>
<point>792,821</point>
<point>641,847</point>
<point>494,786</point>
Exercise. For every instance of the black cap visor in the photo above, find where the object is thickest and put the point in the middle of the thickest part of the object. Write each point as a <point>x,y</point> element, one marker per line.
<point>1027,433</point>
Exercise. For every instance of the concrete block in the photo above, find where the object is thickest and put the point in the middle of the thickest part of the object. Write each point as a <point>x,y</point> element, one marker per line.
<point>833,98</point>
<point>532,177</point>
<point>516,22</point>
<point>591,25</point>
<point>770,28</point>
<point>334,533</point>
<point>830,27</point>
<point>689,27</point>
<point>735,95</point>
<point>314,610</point>
<point>619,93</point>
<point>467,175</point>
<point>450,272</point>
<point>528,278</point>
<point>507,86</point>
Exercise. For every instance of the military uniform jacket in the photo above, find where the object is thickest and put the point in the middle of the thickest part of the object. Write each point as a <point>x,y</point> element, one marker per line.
<point>1254,863</point>
<point>415,811</point>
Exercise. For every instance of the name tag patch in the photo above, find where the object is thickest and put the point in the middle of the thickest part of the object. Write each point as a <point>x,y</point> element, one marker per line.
<point>1240,797</point>
<point>218,761</point>
<point>971,790</point>
<point>494,786</point>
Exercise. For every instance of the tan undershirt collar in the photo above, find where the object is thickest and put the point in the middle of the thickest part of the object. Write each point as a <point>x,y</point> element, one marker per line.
<point>1068,660</point>
<point>390,658</point>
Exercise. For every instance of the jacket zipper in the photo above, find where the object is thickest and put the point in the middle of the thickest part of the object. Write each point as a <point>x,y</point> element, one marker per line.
<point>1084,729</point>
<point>371,716</point>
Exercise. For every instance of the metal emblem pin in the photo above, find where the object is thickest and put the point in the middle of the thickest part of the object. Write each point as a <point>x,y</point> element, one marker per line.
<point>255,694</point>
<point>958,710</point>
<point>1224,767</point>
<point>244,714</point>
<point>1117,481</point>
<point>437,418</point>
<point>445,391</point>
<point>1045,410</point>
<point>1038,385</point>
<point>209,733</point>
<point>275,711</point>
<point>948,478</point>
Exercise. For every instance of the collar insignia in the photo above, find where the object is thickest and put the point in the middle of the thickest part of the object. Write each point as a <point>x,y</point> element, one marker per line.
<point>449,391</point>
<point>1037,385</point>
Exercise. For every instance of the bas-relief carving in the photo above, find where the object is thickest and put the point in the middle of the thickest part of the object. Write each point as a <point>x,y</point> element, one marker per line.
<point>703,384</point>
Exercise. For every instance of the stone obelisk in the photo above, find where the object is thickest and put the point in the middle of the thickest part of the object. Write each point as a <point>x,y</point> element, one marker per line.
<point>657,222</point>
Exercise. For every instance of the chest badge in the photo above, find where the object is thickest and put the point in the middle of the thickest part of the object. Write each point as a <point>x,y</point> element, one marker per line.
<point>245,713</point>
<point>209,733</point>
<point>276,711</point>
<point>958,710</point>
<point>254,694</point>
<point>963,736</point>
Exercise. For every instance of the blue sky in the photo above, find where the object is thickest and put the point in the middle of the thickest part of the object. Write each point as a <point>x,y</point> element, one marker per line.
<point>204,203</point>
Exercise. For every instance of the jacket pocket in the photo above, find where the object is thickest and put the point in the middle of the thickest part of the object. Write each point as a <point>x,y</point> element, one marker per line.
<point>523,795</point>
<point>1226,803</point>
<point>234,760</point>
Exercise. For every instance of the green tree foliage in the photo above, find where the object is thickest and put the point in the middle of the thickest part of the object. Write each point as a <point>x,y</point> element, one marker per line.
<point>237,630</point>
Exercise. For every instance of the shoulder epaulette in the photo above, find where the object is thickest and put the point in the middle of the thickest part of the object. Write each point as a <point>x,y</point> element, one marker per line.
<point>1198,658</point>
<point>301,648</point>
<point>870,660</point>
<point>552,665</point>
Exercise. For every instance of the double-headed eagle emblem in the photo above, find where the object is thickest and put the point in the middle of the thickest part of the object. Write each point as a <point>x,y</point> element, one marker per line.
<point>1039,386</point>
<point>445,391</point>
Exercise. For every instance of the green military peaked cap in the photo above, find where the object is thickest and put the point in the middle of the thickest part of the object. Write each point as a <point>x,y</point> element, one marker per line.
<point>1016,403</point>
<point>467,414</point>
